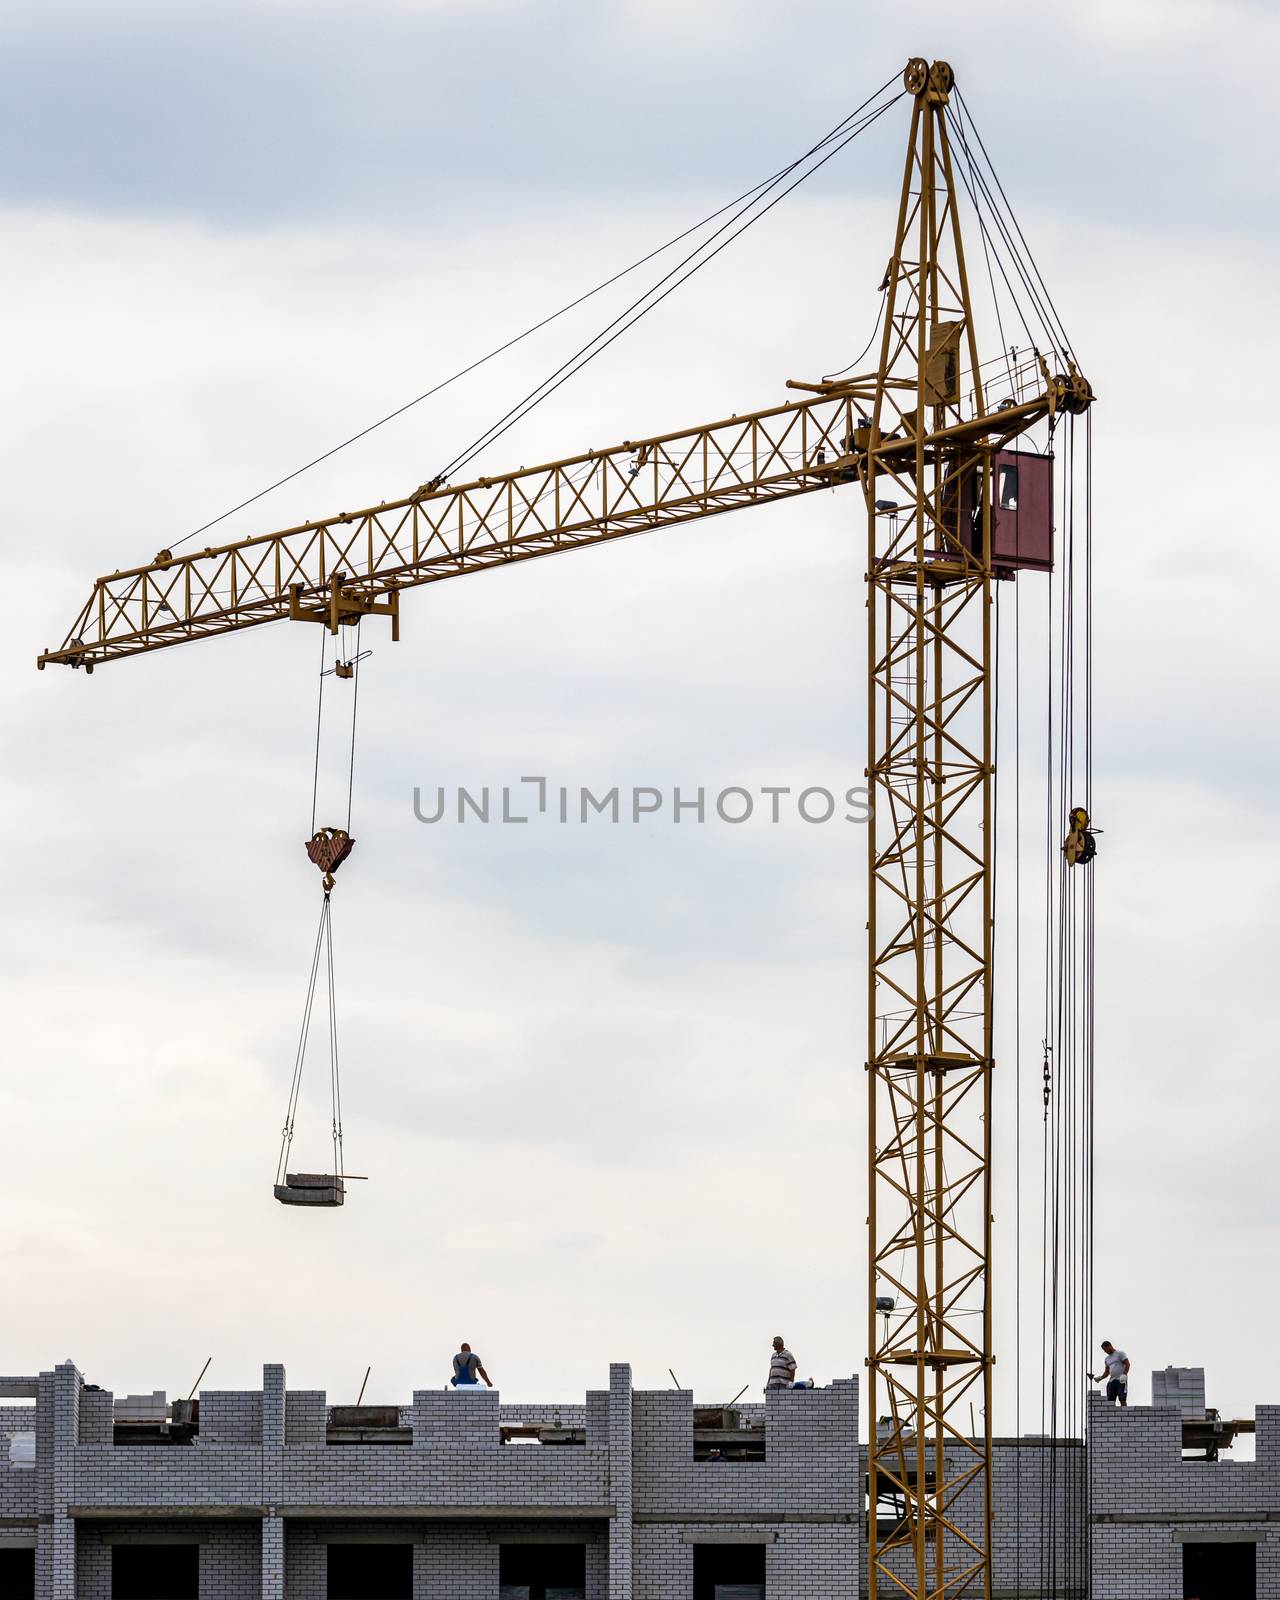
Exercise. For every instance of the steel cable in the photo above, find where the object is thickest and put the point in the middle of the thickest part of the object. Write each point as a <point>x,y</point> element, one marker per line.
<point>1057,320</point>
<point>1022,261</point>
<point>650,300</point>
<point>335,1087</point>
<point>300,1056</point>
<point>536,327</point>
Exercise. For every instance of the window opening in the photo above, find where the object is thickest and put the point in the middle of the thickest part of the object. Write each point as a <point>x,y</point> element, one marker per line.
<point>17,1574</point>
<point>1220,1571</point>
<point>370,1572</point>
<point>155,1571</point>
<point>542,1572</point>
<point>728,1572</point>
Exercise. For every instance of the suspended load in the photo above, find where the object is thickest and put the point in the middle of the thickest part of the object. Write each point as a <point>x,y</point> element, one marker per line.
<point>327,848</point>
<point>315,1188</point>
<point>311,1189</point>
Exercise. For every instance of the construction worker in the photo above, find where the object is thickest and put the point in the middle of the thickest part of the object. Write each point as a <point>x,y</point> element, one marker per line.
<point>782,1366</point>
<point>1115,1369</point>
<point>468,1369</point>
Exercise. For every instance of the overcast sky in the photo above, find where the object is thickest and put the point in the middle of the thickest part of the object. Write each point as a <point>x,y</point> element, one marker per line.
<point>607,1083</point>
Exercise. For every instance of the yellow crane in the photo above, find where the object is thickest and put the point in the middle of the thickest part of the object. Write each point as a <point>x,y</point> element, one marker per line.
<point>952,507</point>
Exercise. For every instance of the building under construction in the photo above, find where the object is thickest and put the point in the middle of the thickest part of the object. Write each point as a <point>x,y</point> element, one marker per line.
<point>627,1495</point>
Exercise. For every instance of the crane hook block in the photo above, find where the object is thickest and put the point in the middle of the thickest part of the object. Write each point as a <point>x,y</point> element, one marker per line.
<point>328,848</point>
<point>1079,846</point>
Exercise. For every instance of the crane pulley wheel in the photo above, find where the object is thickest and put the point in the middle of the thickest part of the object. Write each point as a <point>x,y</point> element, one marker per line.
<point>920,75</point>
<point>1079,846</point>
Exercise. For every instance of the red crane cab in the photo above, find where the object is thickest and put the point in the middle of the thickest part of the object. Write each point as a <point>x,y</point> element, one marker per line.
<point>1021,514</point>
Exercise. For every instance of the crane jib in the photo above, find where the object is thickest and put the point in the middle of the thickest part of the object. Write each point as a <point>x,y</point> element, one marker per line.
<point>359,563</point>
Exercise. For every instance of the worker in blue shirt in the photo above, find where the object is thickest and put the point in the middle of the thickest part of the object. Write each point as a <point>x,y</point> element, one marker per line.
<point>468,1369</point>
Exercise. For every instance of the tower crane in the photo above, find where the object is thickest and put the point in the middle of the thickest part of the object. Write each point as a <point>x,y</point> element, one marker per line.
<point>952,507</point>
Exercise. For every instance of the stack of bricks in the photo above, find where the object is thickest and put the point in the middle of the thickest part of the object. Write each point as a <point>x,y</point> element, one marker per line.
<point>1182,1387</point>
<point>153,1407</point>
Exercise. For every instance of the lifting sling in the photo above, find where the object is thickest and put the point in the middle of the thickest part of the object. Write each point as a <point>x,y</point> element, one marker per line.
<point>327,848</point>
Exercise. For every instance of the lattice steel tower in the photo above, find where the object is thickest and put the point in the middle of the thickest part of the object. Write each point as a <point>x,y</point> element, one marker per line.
<point>933,451</point>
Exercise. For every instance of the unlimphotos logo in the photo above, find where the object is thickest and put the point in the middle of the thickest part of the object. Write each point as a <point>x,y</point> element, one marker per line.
<point>735,804</point>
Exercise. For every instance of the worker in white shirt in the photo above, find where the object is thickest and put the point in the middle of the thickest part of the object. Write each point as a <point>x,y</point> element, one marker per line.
<point>1115,1369</point>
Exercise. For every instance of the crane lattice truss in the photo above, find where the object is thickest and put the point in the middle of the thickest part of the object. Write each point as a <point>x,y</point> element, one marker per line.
<point>919,438</point>
<point>929,1002</point>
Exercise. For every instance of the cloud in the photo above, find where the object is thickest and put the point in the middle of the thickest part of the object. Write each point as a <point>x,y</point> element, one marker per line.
<point>628,1058</point>
<point>251,112</point>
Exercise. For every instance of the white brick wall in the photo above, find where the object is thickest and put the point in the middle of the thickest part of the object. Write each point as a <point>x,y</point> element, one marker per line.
<point>273,1559</point>
<point>66,1432</point>
<point>621,1482</point>
<point>810,1472</point>
<point>264,1451</point>
<point>230,1417</point>
<point>1143,1494</point>
<point>811,1442</point>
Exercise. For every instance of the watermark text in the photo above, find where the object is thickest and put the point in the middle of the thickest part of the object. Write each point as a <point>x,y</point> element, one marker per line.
<point>536,798</point>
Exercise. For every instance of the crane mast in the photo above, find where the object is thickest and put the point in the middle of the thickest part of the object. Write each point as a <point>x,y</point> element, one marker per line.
<point>930,908</point>
<point>929,912</point>
<point>919,438</point>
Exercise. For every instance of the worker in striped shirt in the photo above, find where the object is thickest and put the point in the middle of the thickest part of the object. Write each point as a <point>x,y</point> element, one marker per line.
<point>782,1366</point>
